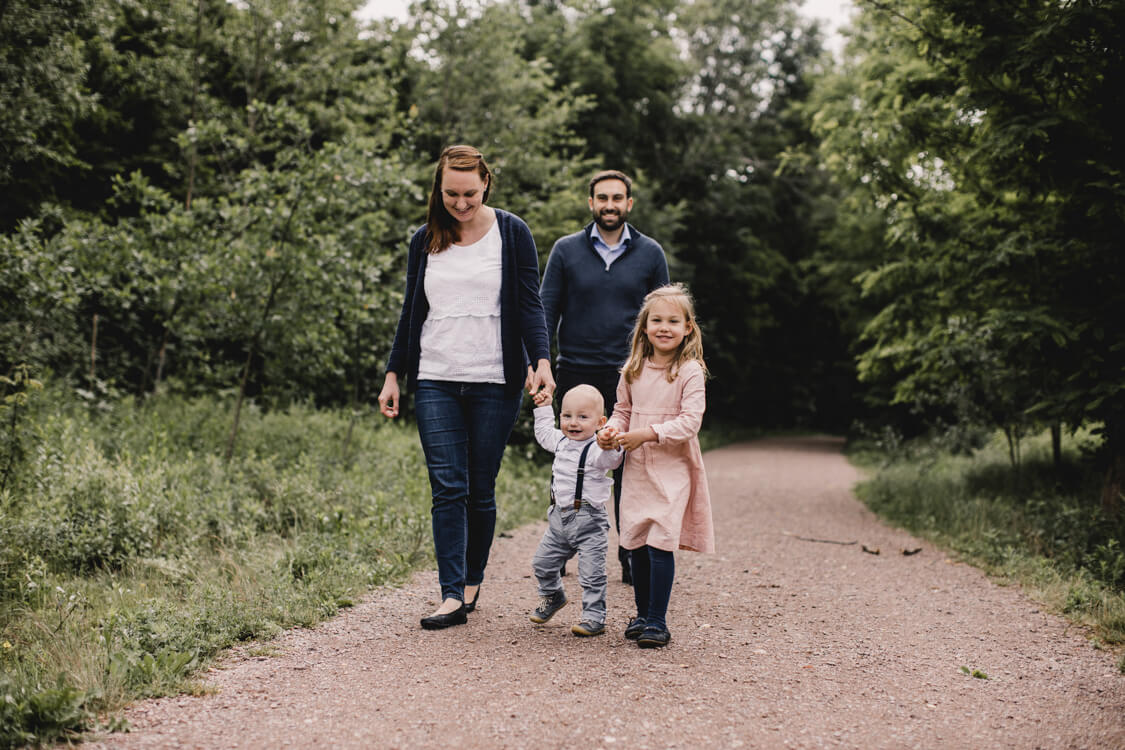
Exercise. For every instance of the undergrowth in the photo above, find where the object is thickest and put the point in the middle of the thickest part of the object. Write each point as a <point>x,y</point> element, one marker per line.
<point>131,553</point>
<point>1038,524</point>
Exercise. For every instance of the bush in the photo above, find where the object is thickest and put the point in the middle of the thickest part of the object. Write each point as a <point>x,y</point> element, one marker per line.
<point>1036,522</point>
<point>93,515</point>
<point>33,713</point>
<point>131,552</point>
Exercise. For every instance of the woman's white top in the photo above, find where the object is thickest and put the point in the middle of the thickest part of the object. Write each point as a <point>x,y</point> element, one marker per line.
<point>461,335</point>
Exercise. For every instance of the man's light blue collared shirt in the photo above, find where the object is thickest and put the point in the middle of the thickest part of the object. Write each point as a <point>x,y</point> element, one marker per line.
<point>610,254</point>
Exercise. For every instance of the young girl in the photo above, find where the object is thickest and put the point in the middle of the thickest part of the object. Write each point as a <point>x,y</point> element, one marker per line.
<point>665,505</point>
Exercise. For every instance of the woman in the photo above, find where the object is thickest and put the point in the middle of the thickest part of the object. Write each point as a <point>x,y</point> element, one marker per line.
<point>470,319</point>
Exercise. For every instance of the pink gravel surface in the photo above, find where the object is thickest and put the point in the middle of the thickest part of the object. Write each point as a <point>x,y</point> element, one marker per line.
<point>777,642</point>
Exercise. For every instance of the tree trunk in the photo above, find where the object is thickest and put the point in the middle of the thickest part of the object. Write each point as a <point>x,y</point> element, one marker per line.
<point>238,405</point>
<point>254,342</point>
<point>160,361</point>
<point>1114,485</point>
<point>94,350</point>
<point>1056,445</point>
<point>256,339</point>
<point>146,377</point>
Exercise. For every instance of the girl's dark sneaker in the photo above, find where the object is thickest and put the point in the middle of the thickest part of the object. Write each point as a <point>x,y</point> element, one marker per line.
<point>653,637</point>
<point>634,629</point>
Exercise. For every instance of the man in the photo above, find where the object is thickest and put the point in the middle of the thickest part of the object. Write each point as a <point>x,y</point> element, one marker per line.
<point>592,289</point>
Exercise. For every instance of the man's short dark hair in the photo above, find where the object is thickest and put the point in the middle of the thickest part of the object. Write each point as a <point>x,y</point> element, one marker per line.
<point>612,174</point>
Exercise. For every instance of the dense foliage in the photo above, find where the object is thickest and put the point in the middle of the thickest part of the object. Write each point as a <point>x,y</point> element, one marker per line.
<point>131,553</point>
<point>204,209</point>
<point>981,140</point>
<point>229,188</point>
<point>1035,526</point>
<point>204,196</point>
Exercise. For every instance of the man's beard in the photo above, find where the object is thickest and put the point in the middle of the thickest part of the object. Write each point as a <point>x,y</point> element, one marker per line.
<point>610,222</point>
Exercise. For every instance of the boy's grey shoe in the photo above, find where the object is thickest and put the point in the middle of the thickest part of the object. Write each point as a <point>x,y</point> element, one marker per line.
<point>548,606</point>
<point>586,628</point>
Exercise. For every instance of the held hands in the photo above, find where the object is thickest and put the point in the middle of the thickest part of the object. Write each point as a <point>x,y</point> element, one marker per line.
<point>634,439</point>
<point>542,398</point>
<point>388,397</point>
<point>609,438</point>
<point>540,379</point>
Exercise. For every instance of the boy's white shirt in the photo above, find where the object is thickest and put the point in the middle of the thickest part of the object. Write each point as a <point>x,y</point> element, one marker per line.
<point>597,484</point>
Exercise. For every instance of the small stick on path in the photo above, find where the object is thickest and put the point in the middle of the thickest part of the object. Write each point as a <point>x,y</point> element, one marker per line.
<point>821,541</point>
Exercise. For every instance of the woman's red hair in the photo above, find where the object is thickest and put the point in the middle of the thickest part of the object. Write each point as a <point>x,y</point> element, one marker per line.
<point>442,226</point>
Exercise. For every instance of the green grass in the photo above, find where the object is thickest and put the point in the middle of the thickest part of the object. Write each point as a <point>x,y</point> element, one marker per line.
<point>131,554</point>
<point>1040,526</point>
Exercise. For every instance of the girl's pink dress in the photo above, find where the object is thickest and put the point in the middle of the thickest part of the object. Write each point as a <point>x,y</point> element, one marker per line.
<point>664,497</point>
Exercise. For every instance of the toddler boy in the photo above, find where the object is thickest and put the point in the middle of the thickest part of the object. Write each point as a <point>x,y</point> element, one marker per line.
<point>577,521</point>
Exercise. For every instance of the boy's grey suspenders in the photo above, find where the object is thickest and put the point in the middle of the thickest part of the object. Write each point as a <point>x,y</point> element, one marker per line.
<point>578,482</point>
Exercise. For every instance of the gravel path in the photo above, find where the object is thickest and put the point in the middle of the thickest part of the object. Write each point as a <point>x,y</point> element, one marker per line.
<point>777,642</point>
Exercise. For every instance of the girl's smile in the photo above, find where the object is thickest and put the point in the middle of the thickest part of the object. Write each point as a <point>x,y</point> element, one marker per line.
<point>666,328</point>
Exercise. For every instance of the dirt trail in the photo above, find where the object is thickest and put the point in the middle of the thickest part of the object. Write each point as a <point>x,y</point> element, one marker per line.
<point>777,642</point>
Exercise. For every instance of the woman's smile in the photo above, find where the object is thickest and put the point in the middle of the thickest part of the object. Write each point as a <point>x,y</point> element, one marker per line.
<point>463,194</point>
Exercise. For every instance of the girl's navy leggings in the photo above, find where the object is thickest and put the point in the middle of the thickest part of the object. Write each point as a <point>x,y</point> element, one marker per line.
<point>653,572</point>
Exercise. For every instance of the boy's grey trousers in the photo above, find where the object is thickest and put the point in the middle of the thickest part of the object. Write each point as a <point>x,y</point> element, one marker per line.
<point>586,532</point>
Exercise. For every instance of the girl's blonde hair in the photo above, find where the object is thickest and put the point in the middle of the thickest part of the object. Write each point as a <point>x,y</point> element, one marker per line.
<point>691,348</point>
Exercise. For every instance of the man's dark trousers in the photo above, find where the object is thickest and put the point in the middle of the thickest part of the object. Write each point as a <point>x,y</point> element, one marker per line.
<point>605,380</point>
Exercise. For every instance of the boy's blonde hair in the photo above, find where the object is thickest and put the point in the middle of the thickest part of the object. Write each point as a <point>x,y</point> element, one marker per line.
<point>588,392</point>
<point>691,348</point>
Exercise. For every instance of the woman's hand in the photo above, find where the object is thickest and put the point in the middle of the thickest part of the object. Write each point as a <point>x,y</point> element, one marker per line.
<point>388,397</point>
<point>541,378</point>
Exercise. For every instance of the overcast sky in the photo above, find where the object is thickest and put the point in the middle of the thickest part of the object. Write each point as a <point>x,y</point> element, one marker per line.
<point>835,12</point>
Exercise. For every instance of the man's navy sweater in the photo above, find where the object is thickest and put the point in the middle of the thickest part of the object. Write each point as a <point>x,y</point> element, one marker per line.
<point>593,308</point>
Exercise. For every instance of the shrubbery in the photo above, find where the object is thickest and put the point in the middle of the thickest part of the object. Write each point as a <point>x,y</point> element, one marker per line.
<point>1037,522</point>
<point>131,553</point>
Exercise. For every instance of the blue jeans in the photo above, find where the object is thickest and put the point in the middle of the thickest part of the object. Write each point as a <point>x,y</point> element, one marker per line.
<point>464,428</point>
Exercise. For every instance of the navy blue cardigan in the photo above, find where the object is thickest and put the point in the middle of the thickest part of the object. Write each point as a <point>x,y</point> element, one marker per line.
<point>523,331</point>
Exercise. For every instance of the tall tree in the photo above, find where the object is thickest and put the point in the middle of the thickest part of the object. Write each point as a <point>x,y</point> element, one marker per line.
<point>42,87</point>
<point>748,225</point>
<point>622,55</point>
<point>622,58</point>
<point>986,136</point>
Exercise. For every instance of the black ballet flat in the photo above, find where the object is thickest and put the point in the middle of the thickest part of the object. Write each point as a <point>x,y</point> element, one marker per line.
<point>438,622</point>
<point>472,606</point>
